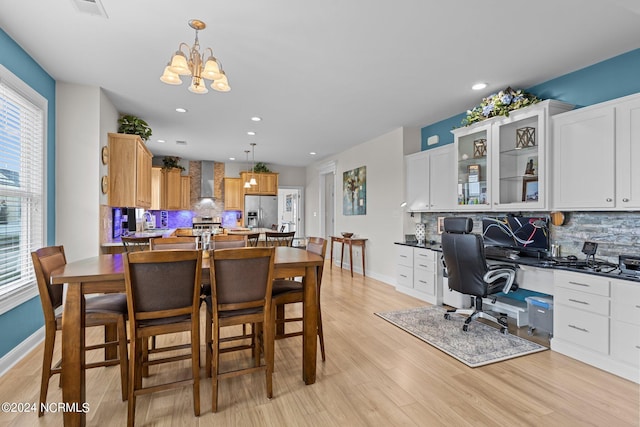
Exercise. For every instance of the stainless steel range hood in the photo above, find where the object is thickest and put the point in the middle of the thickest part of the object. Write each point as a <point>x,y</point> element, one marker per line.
<point>206,179</point>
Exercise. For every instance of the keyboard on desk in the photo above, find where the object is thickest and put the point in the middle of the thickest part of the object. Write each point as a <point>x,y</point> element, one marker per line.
<point>498,252</point>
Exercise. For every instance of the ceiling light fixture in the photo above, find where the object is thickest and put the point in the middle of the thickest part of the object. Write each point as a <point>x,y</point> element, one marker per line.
<point>247,184</point>
<point>251,133</point>
<point>181,110</point>
<point>253,159</point>
<point>479,86</point>
<point>256,118</point>
<point>196,66</point>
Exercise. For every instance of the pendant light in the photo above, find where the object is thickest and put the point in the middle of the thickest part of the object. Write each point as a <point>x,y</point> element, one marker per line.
<point>253,157</point>
<point>247,184</point>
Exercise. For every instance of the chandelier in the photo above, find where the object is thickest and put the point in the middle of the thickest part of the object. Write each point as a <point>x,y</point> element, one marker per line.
<point>193,63</point>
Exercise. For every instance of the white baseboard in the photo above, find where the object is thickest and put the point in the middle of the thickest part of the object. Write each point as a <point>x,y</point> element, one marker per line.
<point>21,350</point>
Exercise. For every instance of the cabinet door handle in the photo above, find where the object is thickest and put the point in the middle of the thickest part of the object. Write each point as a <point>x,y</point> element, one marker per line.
<point>402,275</point>
<point>609,199</point>
<point>625,200</point>
<point>579,329</point>
<point>578,302</point>
<point>638,347</point>
<point>403,256</point>
<point>637,306</point>
<point>423,266</point>
<point>422,281</point>
<point>495,203</point>
<point>579,284</point>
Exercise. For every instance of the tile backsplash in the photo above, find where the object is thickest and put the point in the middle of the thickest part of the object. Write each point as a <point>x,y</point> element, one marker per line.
<point>615,232</point>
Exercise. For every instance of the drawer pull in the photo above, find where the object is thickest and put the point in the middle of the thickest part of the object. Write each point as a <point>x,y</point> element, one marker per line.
<point>579,329</point>
<point>423,265</point>
<point>578,302</point>
<point>422,281</point>
<point>402,275</point>
<point>579,284</point>
<point>403,256</point>
<point>638,347</point>
<point>637,306</point>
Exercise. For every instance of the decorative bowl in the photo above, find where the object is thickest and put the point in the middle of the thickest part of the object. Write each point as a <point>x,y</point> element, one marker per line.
<point>346,235</point>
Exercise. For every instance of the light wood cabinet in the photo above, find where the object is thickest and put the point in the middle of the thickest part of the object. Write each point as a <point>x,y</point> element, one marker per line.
<point>267,183</point>
<point>596,150</point>
<point>168,187</point>
<point>233,194</point>
<point>185,192</point>
<point>129,171</point>
<point>430,180</point>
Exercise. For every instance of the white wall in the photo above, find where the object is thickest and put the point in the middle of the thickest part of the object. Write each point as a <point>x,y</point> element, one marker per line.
<point>382,225</point>
<point>81,132</point>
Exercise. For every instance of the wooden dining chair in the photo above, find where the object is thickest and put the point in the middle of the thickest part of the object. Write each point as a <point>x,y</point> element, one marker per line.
<point>102,310</point>
<point>252,239</point>
<point>132,243</point>
<point>275,238</point>
<point>226,241</point>
<point>291,291</point>
<point>163,297</point>
<point>241,281</point>
<point>166,243</point>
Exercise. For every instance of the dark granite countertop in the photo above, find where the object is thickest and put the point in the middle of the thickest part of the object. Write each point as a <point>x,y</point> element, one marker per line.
<point>612,273</point>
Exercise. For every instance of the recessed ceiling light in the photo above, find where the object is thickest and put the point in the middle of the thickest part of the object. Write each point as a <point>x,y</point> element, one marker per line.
<point>313,153</point>
<point>256,118</point>
<point>252,133</point>
<point>161,140</point>
<point>479,86</point>
<point>232,158</point>
<point>181,110</point>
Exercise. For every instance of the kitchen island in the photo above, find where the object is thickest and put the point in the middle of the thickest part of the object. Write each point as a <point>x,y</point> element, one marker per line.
<point>115,246</point>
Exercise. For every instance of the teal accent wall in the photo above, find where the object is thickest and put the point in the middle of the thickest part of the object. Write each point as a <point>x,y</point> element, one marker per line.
<point>606,80</point>
<point>19,323</point>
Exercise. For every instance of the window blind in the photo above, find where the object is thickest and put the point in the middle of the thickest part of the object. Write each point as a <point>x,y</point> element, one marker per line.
<point>21,185</point>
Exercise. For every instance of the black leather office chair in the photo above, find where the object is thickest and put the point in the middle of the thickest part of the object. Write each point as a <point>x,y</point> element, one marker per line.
<point>468,272</point>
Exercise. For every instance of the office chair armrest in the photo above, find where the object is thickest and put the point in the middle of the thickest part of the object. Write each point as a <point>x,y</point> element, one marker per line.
<point>506,272</point>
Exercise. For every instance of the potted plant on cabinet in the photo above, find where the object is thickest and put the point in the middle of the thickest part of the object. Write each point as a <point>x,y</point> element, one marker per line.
<point>133,125</point>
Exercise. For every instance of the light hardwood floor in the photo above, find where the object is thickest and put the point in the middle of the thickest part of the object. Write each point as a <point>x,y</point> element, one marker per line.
<point>375,374</point>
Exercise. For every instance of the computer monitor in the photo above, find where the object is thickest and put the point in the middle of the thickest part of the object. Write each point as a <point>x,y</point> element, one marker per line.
<point>525,234</point>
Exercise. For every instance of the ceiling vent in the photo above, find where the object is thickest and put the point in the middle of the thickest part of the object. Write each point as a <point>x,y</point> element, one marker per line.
<point>181,142</point>
<point>91,7</point>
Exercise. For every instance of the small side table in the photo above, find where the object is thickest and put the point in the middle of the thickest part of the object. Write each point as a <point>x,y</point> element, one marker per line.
<point>351,241</point>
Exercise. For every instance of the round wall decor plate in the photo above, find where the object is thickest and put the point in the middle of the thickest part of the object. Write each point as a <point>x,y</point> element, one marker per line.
<point>105,155</point>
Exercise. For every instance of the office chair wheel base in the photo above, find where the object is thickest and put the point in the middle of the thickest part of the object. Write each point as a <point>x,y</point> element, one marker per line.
<point>504,331</point>
<point>465,328</point>
<point>530,331</point>
<point>447,316</point>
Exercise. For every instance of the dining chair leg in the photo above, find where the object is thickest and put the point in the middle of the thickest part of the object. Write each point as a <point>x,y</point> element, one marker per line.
<point>321,334</point>
<point>195,365</point>
<point>47,359</point>
<point>145,357</point>
<point>269,348</point>
<point>209,343</point>
<point>124,357</point>
<point>135,357</point>
<point>214,368</point>
<point>257,331</point>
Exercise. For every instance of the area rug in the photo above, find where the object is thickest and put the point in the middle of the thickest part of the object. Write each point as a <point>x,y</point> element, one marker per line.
<point>479,346</point>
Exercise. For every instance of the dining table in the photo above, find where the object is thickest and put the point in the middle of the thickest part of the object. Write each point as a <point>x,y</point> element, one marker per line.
<point>105,274</point>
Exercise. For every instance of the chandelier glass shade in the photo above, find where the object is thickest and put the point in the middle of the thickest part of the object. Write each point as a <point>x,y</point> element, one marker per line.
<point>253,181</point>
<point>193,63</point>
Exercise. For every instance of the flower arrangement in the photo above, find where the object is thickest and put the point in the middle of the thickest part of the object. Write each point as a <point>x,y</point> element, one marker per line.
<point>499,104</point>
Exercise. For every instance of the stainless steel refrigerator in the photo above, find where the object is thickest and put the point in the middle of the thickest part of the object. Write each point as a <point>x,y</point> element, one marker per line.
<point>260,211</point>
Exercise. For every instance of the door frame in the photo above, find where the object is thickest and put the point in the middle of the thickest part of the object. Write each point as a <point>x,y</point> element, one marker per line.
<point>328,168</point>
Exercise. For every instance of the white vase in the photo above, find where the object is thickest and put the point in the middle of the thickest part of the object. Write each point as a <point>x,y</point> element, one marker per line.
<point>421,232</point>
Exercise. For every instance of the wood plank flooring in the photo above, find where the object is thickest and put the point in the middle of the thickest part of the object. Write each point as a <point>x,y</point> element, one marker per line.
<point>375,374</point>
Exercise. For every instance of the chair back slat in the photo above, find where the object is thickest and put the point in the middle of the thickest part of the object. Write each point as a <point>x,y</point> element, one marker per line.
<point>275,238</point>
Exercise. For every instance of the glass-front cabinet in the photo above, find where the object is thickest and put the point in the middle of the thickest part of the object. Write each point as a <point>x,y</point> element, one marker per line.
<point>503,162</point>
<point>473,149</point>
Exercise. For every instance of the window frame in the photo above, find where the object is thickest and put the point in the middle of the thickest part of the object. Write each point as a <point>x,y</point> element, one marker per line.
<point>12,296</point>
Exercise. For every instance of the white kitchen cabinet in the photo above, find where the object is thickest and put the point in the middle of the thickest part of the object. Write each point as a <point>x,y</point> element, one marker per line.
<point>502,162</point>
<point>596,151</point>
<point>404,266</point>
<point>430,180</point>
<point>417,273</point>
<point>597,321</point>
